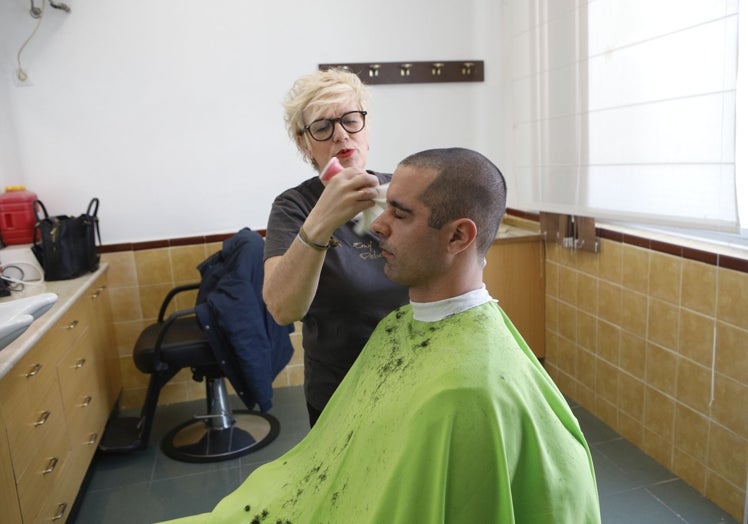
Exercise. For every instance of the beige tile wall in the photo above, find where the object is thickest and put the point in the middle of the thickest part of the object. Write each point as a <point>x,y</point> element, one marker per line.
<point>657,346</point>
<point>138,281</point>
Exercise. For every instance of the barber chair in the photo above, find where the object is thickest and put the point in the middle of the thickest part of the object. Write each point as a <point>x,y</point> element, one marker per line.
<point>200,338</point>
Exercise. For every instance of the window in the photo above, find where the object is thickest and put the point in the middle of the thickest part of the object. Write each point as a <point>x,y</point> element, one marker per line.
<point>626,110</point>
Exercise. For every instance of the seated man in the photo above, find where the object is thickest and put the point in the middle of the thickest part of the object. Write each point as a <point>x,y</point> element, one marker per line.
<point>446,416</point>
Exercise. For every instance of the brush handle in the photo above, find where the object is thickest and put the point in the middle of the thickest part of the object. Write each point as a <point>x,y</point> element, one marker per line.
<point>332,168</point>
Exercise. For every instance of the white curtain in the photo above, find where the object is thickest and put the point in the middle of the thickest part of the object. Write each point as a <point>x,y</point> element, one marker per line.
<point>625,109</point>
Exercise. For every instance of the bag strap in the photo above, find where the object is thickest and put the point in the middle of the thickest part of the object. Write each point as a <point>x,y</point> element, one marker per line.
<point>94,204</point>
<point>98,232</point>
<point>93,209</point>
<point>38,203</point>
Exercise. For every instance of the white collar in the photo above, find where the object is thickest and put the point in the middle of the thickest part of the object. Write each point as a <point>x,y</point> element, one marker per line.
<point>441,309</point>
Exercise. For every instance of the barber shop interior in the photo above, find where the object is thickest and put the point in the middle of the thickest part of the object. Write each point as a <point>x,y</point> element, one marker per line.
<point>404,262</point>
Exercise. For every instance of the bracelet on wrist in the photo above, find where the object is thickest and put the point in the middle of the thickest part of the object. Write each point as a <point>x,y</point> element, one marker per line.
<point>314,245</point>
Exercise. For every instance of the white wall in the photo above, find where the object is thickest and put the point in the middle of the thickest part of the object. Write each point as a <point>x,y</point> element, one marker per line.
<point>170,112</point>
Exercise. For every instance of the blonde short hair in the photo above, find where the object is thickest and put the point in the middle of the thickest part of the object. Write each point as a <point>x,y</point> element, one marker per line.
<point>313,94</point>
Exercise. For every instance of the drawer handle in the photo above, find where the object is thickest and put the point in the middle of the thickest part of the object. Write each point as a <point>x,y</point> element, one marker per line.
<point>51,466</point>
<point>73,324</point>
<point>34,371</point>
<point>42,419</point>
<point>98,292</point>
<point>80,363</point>
<point>60,511</point>
<point>86,402</point>
<point>92,439</point>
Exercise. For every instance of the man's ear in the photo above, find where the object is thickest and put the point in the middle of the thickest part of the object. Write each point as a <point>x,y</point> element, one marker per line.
<point>463,233</point>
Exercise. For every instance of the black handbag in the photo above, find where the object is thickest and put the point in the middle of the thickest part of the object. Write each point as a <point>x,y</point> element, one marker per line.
<point>66,246</point>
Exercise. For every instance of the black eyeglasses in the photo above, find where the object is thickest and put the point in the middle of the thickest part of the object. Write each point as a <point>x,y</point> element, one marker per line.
<point>323,129</point>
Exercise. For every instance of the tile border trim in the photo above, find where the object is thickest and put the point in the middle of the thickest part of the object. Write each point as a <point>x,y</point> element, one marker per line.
<point>689,253</point>
<point>169,242</point>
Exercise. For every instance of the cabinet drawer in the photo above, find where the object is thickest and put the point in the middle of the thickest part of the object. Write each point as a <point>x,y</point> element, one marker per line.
<point>101,324</point>
<point>39,484</point>
<point>85,433</point>
<point>85,423</point>
<point>68,328</point>
<point>86,413</point>
<point>84,395</point>
<point>33,429</point>
<point>79,374</point>
<point>88,417</point>
<point>23,388</point>
<point>66,491</point>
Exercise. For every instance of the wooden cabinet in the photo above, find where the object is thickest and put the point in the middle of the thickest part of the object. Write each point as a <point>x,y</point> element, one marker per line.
<point>10,511</point>
<point>515,276</point>
<point>101,314</point>
<point>55,404</point>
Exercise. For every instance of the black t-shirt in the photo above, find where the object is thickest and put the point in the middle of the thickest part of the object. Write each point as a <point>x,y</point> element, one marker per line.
<point>353,294</point>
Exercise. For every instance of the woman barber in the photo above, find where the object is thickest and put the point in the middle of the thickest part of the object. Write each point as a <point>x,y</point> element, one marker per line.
<point>317,268</point>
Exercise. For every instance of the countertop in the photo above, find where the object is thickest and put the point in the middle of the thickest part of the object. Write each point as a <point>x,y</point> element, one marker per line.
<point>514,229</point>
<point>68,291</point>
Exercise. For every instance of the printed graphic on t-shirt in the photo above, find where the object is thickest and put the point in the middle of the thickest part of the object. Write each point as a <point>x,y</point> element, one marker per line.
<point>369,249</point>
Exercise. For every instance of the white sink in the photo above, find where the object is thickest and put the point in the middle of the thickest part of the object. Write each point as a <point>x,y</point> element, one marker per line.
<point>17,315</point>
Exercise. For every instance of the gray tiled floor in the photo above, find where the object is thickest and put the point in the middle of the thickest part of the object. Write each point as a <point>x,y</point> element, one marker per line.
<point>147,486</point>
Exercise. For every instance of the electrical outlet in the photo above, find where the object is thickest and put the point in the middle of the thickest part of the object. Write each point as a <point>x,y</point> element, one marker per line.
<point>21,78</point>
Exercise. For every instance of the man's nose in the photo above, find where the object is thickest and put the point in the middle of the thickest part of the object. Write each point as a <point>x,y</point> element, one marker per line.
<point>378,227</point>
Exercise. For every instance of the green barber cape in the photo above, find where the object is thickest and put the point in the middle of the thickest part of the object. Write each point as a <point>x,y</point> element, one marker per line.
<point>452,421</point>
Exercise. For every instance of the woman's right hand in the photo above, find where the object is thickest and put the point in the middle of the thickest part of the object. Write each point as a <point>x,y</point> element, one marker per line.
<point>346,194</point>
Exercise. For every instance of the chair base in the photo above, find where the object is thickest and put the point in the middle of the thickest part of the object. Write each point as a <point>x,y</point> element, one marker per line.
<point>197,440</point>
